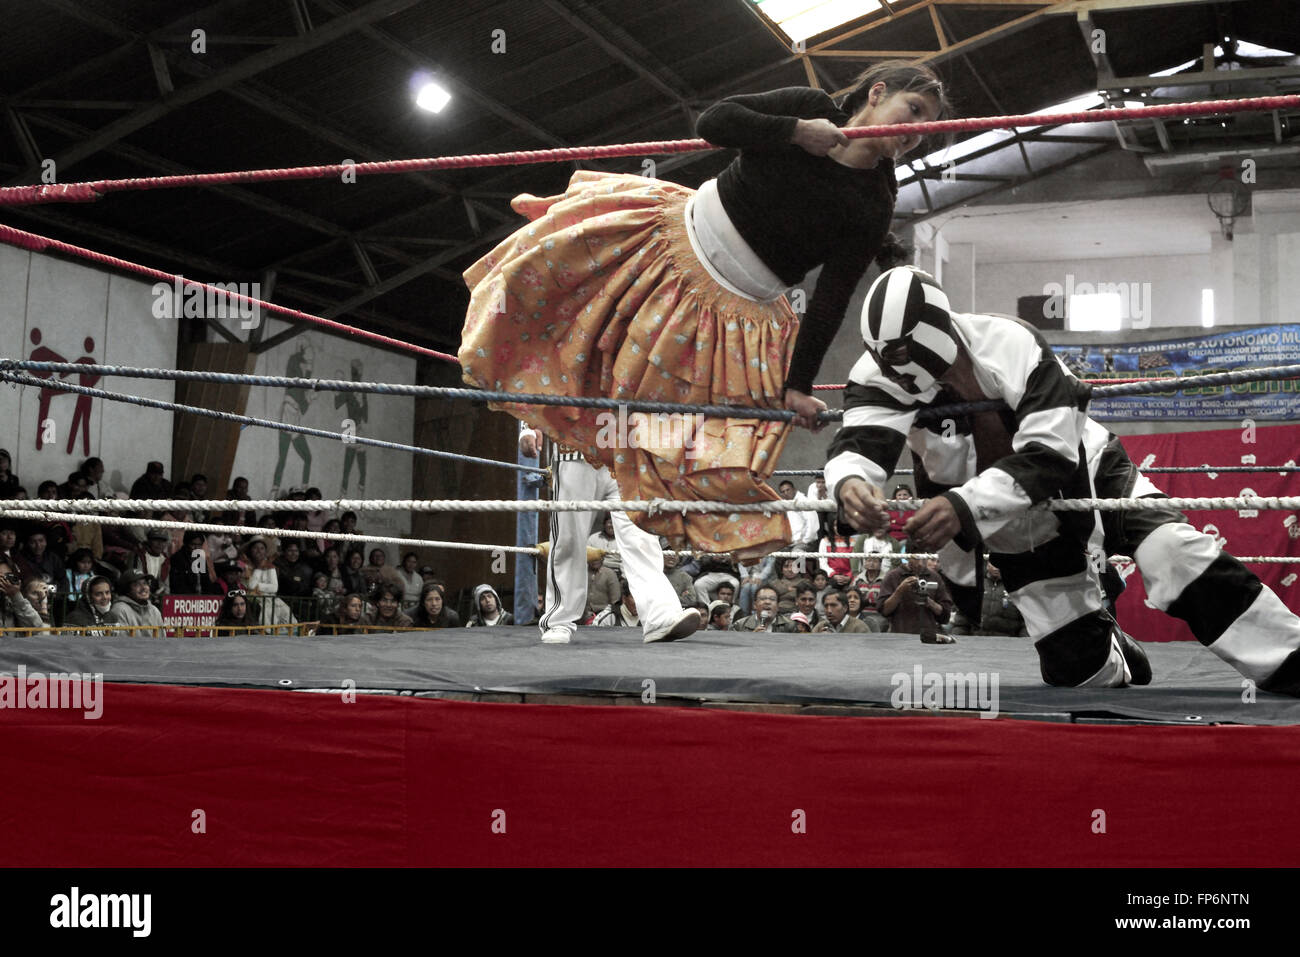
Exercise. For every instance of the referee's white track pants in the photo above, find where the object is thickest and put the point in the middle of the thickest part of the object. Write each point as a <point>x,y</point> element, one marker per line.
<point>566,566</point>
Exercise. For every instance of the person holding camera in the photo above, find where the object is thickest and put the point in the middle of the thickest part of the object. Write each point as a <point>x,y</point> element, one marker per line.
<point>15,610</point>
<point>916,601</point>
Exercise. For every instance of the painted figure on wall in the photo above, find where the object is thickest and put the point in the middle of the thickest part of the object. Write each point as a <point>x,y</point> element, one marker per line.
<point>292,412</point>
<point>81,411</point>
<point>43,354</point>
<point>357,410</point>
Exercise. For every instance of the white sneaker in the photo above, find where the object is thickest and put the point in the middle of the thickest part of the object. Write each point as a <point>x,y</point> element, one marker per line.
<point>556,635</point>
<point>685,624</point>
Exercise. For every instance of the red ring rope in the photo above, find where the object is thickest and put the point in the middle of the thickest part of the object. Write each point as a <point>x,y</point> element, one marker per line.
<point>90,191</point>
<point>35,243</point>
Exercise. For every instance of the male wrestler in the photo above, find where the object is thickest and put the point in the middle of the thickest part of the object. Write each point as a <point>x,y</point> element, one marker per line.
<point>982,471</point>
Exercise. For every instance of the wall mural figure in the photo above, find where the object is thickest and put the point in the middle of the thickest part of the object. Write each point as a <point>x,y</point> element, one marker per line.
<point>43,354</point>
<point>357,410</point>
<point>292,412</point>
<point>81,411</point>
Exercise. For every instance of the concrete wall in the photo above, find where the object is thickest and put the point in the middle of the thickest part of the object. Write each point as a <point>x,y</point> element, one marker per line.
<point>78,312</point>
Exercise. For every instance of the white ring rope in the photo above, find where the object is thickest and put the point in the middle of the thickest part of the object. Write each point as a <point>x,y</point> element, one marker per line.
<point>652,506</point>
<point>254,531</point>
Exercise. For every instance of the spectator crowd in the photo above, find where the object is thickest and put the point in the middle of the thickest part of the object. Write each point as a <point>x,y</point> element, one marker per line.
<point>109,579</point>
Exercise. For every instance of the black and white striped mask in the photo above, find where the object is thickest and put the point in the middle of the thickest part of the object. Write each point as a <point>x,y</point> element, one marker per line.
<point>907,328</point>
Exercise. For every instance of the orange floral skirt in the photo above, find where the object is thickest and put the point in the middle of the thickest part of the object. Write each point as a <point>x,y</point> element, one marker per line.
<point>602,295</point>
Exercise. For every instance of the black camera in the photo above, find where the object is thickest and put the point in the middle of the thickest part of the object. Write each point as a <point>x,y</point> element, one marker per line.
<point>12,579</point>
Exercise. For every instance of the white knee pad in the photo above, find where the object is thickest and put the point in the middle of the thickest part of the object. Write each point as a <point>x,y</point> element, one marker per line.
<point>1171,558</point>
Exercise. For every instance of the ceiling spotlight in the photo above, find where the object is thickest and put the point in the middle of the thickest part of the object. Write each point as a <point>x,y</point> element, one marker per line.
<point>432,97</point>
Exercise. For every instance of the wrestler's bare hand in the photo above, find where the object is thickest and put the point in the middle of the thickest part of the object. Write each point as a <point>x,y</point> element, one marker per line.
<point>528,441</point>
<point>805,409</point>
<point>934,524</point>
<point>818,136</point>
<point>863,505</point>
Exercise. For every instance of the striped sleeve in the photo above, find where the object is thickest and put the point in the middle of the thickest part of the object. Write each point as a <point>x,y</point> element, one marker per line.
<point>1049,406</point>
<point>877,419</point>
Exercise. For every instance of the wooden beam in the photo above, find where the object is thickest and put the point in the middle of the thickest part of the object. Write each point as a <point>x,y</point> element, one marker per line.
<point>938,29</point>
<point>870,54</point>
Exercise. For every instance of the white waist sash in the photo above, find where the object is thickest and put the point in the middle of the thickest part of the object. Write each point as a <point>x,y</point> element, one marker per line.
<point>724,253</point>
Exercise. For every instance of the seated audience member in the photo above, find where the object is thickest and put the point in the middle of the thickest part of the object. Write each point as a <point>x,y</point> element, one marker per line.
<point>230,576</point>
<point>387,601</point>
<point>15,610</point>
<point>859,610</point>
<point>608,544</point>
<point>432,611</point>
<point>869,583</point>
<point>74,487</point>
<point>602,584</point>
<point>36,560</point>
<point>133,609</point>
<point>239,490</point>
<point>719,616</point>
<point>222,546</point>
<point>293,574</point>
<point>9,541</point>
<point>315,520</point>
<point>8,481</point>
<point>323,598</point>
<point>89,535</point>
<point>487,609</point>
<point>786,585</point>
<point>623,613</point>
<point>198,491</point>
<point>152,484</point>
<point>331,566</point>
<point>838,620</point>
<point>234,618</point>
<point>260,577</point>
<point>753,575</point>
<point>192,572</point>
<point>805,601</point>
<point>428,574</point>
<point>412,580</point>
<point>725,593</point>
<point>878,543</point>
<point>714,570</point>
<point>998,615</point>
<point>838,570</point>
<point>346,617</point>
<point>902,493</point>
<point>80,569</point>
<point>353,578</point>
<point>822,586</point>
<point>48,490</point>
<point>93,470</point>
<point>682,584</point>
<point>916,601</point>
<point>766,616</point>
<point>152,558</point>
<point>37,594</point>
<point>94,608</point>
<point>378,570</point>
<point>799,623</point>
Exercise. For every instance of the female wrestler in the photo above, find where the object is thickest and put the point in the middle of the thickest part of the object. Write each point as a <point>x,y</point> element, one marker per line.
<point>635,288</point>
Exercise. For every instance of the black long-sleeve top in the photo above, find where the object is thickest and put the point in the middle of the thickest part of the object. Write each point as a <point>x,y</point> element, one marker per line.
<point>798,211</point>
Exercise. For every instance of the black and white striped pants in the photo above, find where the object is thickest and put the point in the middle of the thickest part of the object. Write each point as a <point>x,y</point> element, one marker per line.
<point>1050,563</point>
